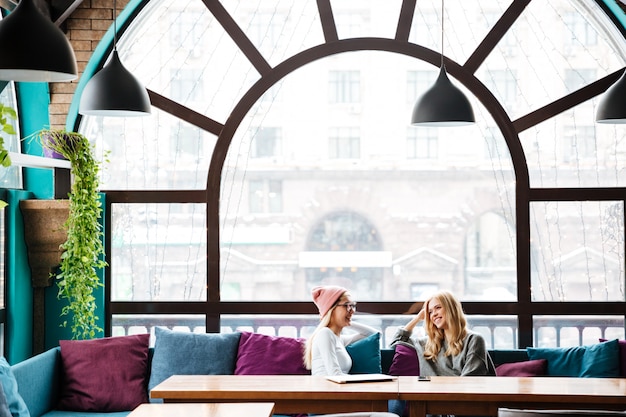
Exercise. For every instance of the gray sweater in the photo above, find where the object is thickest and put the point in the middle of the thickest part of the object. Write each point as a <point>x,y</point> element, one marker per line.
<point>472,360</point>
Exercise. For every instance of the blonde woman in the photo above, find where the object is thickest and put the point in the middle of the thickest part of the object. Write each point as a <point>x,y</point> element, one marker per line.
<point>325,353</point>
<point>449,347</point>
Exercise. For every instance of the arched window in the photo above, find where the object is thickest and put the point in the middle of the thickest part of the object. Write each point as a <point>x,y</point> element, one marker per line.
<point>273,115</point>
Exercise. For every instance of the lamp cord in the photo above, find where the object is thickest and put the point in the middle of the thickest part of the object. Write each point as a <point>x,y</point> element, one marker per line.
<point>442,11</point>
<point>115,25</point>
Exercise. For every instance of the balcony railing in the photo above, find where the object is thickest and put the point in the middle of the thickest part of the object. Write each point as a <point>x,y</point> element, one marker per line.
<point>500,332</point>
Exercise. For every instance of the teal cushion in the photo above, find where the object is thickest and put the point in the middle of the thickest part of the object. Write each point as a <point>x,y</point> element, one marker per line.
<point>184,353</point>
<point>365,354</point>
<point>16,403</point>
<point>600,360</point>
<point>4,406</point>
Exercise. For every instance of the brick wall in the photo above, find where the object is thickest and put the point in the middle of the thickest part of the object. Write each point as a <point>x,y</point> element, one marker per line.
<point>84,28</point>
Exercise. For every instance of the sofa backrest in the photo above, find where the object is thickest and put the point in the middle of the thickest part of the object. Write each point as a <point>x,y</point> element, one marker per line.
<point>498,356</point>
<point>38,381</point>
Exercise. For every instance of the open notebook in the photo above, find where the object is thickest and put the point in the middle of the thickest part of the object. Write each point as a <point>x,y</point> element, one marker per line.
<point>344,379</point>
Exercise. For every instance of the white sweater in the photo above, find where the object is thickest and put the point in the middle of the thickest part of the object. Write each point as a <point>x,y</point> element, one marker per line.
<point>329,355</point>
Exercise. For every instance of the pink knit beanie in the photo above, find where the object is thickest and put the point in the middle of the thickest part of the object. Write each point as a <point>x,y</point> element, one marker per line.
<point>326,296</point>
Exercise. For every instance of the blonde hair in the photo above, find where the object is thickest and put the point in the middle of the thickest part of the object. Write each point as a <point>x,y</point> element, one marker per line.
<point>456,326</point>
<point>324,322</point>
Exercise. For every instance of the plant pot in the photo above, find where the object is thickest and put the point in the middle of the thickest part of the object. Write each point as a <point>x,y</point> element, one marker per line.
<point>51,139</point>
<point>49,153</point>
<point>44,233</point>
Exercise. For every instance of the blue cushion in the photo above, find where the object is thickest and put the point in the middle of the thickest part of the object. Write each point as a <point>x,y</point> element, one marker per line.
<point>600,360</point>
<point>183,353</point>
<point>4,406</point>
<point>38,380</point>
<point>365,354</point>
<point>17,406</point>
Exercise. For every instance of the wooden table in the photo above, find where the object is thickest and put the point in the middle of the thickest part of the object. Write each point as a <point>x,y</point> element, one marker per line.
<point>442,395</point>
<point>292,394</point>
<point>204,410</point>
<point>484,395</point>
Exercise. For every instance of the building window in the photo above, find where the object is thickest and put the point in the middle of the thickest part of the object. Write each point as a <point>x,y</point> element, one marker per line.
<point>186,142</point>
<point>265,196</point>
<point>267,142</point>
<point>422,143</point>
<point>345,86</point>
<point>503,85</point>
<point>344,143</point>
<point>417,83</point>
<point>426,28</point>
<point>579,143</point>
<point>265,30</point>
<point>577,78</point>
<point>187,27</point>
<point>579,31</point>
<point>187,85</point>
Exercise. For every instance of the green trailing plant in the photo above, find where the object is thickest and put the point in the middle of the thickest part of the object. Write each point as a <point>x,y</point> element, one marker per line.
<point>83,251</point>
<point>6,127</point>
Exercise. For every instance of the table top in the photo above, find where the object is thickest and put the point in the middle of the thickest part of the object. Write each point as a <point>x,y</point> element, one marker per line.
<point>306,387</point>
<point>204,410</point>
<point>536,389</point>
<point>268,387</point>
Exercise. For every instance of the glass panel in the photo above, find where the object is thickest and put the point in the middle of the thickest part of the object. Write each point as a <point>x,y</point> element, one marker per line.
<point>577,251</point>
<point>159,152</point>
<point>565,331</point>
<point>464,25</point>
<point>498,331</point>
<point>10,177</point>
<point>158,252</point>
<point>357,207</point>
<point>572,150</point>
<point>128,324</point>
<point>161,49</point>
<point>279,29</point>
<point>356,19</point>
<point>573,38</point>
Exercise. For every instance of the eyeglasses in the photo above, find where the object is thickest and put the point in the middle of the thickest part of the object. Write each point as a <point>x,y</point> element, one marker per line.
<point>348,306</point>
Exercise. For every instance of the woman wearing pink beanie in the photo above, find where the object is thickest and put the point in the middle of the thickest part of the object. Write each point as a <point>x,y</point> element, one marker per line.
<point>325,352</point>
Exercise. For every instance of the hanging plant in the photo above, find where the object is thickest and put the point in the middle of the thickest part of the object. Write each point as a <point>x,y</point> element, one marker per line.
<point>83,251</point>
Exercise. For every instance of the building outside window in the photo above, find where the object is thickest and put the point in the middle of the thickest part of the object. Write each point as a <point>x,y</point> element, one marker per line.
<point>265,196</point>
<point>267,142</point>
<point>344,143</point>
<point>422,143</point>
<point>344,86</point>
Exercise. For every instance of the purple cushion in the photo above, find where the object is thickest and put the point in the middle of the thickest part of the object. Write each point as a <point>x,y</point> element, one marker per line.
<point>622,356</point>
<point>536,367</point>
<point>404,362</point>
<point>106,375</point>
<point>260,354</point>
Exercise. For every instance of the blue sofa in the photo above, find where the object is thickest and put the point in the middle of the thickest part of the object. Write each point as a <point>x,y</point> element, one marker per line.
<point>39,379</point>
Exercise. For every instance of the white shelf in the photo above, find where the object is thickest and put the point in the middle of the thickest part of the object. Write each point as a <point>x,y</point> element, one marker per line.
<point>32,161</point>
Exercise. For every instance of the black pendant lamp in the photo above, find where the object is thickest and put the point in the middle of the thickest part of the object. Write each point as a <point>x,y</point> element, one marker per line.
<point>443,104</point>
<point>612,107</point>
<point>114,91</point>
<point>35,49</point>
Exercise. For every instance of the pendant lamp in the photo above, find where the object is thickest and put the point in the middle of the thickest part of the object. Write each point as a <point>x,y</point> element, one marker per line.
<point>443,104</point>
<point>114,91</point>
<point>34,49</point>
<point>612,107</point>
